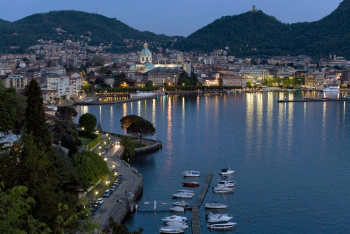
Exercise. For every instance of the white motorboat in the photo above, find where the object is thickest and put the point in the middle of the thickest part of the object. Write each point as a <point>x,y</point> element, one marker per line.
<point>222,226</point>
<point>185,191</point>
<point>222,189</point>
<point>177,209</point>
<point>140,94</point>
<point>226,172</point>
<point>227,183</point>
<point>183,195</point>
<point>177,224</point>
<point>215,205</point>
<point>174,218</point>
<point>171,230</point>
<point>216,218</point>
<point>191,174</point>
<point>331,89</point>
<point>180,203</point>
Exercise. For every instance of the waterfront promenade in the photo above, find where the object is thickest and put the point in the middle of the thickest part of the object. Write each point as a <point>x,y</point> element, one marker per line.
<point>122,200</point>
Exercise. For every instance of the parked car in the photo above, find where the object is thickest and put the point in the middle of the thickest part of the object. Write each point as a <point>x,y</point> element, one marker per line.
<point>100,201</point>
<point>103,152</point>
<point>106,193</point>
<point>113,188</point>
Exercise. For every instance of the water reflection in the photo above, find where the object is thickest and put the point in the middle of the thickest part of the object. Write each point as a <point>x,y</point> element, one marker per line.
<point>169,137</point>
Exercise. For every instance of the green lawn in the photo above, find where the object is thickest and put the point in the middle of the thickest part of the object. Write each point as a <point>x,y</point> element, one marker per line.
<point>85,141</point>
<point>138,145</point>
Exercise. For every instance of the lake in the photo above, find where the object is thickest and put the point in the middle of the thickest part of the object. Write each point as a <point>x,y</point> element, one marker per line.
<point>292,160</point>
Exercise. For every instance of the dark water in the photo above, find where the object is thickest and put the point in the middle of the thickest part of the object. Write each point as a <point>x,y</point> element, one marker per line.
<point>292,160</point>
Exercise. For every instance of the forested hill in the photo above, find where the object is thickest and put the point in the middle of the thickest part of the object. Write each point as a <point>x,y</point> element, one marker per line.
<point>3,22</point>
<point>73,24</point>
<point>255,33</point>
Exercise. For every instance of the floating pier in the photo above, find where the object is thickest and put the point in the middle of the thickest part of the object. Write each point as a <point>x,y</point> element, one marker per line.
<point>196,229</point>
<point>316,100</point>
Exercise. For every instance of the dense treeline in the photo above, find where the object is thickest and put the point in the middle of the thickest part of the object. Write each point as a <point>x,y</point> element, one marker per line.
<point>39,182</point>
<point>100,29</point>
<point>255,33</point>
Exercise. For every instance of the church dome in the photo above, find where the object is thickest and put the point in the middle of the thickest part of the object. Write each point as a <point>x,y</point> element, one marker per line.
<point>149,66</point>
<point>145,51</point>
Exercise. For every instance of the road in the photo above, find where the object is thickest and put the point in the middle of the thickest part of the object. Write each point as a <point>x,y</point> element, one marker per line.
<point>117,205</point>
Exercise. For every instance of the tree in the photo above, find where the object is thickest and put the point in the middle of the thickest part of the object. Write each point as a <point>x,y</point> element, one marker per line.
<point>183,79</point>
<point>66,113</point>
<point>15,208</point>
<point>149,84</point>
<point>90,167</point>
<point>141,128</point>
<point>119,228</point>
<point>35,116</point>
<point>119,79</point>
<point>129,148</point>
<point>126,121</point>
<point>88,122</point>
<point>193,78</point>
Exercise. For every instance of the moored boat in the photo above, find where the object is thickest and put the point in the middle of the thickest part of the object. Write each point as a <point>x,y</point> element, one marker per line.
<point>185,191</point>
<point>181,204</point>
<point>216,218</point>
<point>174,218</point>
<point>222,189</point>
<point>227,183</point>
<point>177,224</point>
<point>190,184</point>
<point>215,205</point>
<point>191,174</point>
<point>183,195</point>
<point>222,226</point>
<point>177,209</point>
<point>226,172</point>
<point>171,230</point>
<point>331,89</point>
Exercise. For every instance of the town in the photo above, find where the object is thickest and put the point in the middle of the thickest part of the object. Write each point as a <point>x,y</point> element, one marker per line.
<point>64,69</point>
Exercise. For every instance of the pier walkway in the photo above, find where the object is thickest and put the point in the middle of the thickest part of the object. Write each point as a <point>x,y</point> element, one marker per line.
<point>196,229</point>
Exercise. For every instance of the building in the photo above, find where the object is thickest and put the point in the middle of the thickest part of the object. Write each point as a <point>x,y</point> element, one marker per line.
<point>164,76</point>
<point>59,83</point>
<point>16,81</point>
<point>232,80</point>
<point>315,79</point>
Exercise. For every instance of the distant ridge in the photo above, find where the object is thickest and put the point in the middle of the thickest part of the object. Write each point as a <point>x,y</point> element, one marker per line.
<point>59,25</point>
<point>255,33</point>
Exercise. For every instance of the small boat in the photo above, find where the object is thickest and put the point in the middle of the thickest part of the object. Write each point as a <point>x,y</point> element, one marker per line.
<point>227,183</point>
<point>216,218</point>
<point>180,203</point>
<point>222,226</point>
<point>185,191</point>
<point>140,94</point>
<point>215,205</point>
<point>183,195</point>
<point>177,209</point>
<point>171,230</point>
<point>174,218</point>
<point>177,224</point>
<point>190,184</point>
<point>331,89</point>
<point>222,189</point>
<point>226,172</point>
<point>191,174</point>
<point>347,96</point>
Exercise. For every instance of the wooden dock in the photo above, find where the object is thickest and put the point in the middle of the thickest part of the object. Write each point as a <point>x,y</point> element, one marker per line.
<point>196,229</point>
<point>316,100</point>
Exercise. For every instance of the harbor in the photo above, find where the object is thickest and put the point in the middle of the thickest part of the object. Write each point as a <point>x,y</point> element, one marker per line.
<point>282,154</point>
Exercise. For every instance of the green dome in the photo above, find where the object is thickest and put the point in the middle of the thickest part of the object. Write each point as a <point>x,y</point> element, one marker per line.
<point>145,51</point>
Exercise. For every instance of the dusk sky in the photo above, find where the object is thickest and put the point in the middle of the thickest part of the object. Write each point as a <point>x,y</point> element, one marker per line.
<point>173,17</point>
